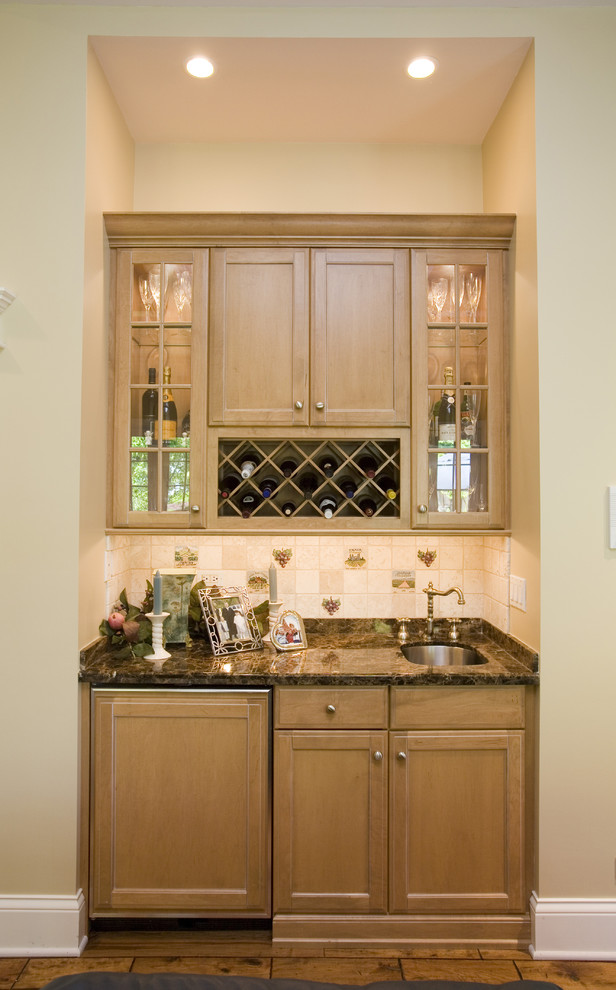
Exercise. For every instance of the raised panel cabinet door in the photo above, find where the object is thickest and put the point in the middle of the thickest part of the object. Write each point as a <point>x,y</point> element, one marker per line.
<point>180,803</point>
<point>259,316</point>
<point>330,822</point>
<point>456,822</point>
<point>360,346</point>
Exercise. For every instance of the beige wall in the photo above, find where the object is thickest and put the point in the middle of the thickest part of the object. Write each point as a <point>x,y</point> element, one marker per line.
<point>42,172</point>
<point>109,186</point>
<point>313,178</point>
<point>509,187</point>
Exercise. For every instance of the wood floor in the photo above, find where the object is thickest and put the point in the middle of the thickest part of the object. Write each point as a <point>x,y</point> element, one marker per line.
<point>252,954</point>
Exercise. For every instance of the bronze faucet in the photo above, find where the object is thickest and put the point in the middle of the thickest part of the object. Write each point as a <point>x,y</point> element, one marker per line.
<point>431,591</point>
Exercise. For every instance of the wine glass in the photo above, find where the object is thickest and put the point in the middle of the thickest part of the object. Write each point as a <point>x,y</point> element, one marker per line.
<point>145,291</point>
<point>439,289</point>
<point>473,288</point>
<point>182,291</point>
<point>154,283</point>
<point>474,404</point>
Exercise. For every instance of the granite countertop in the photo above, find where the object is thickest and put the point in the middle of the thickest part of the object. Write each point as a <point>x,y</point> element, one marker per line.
<point>340,651</point>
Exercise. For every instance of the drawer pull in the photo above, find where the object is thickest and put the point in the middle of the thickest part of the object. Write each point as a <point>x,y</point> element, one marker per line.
<point>331,709</point>
<point>401,755</point>
<point>378,756</point>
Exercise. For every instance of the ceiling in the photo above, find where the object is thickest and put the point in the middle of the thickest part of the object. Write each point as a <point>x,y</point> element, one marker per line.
<point>310,89</point>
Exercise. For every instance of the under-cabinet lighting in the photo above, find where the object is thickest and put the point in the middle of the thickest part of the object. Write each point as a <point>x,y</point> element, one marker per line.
<point>199,66</point>
<point>422,67</point>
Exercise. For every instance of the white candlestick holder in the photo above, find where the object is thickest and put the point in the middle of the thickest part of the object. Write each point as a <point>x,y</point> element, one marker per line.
<point>160,653</point>
<point>274,608</point>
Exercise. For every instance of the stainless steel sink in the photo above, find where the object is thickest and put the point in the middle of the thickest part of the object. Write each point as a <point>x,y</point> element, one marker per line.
<point>442,654</point>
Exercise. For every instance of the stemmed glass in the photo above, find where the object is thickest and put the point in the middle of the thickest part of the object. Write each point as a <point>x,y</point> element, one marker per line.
<point>473,287</point>
<point>145,291</point>
<point>439,290</point>
<point>154,280</point>
<point>182,291</point>
<point>474,404</point>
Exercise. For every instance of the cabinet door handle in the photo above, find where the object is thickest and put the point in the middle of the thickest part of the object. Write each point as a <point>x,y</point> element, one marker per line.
<point>401,755</point>
<point>319,405</point>
<point>195,508</point>
<point>378,756</point>
<point>331,709</point>
<point>299,404</point>
<point>422,508</point>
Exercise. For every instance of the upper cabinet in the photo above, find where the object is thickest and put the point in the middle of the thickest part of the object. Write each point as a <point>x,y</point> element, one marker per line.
<point>308,343</point>
<point>158,375</point>
<point>309,337</point>
<point>459,390</point>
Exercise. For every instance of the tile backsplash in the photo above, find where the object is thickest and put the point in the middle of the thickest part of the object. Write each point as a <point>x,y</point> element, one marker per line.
<point>345,576</point>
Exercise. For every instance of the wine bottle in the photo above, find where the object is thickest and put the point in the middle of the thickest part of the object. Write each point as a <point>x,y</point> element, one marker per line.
<point>288,468</point>
<point>369,466</point>
<point>186,425</point>
<point>447,413</point>
<point>228,484</point>
<point>328,466</point>
<point>249,464</point>
<point>328,505</point>
<point>268,486</point>
<point>248,503</point>
<point>149,410</point>
<point>348,487</point>
<point>466,422</point>
<point>367,506</point>
<point>387,485</point>
<point>170,413</point>
<point>308,485</point>
<point>288,508</point>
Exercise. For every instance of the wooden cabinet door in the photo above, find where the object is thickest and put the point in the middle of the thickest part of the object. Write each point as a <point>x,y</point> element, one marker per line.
<point>259,336</point>
<point>360,345</point>
<point>459,477</point>
<point>330,828</point>
<point>180,813</point>
<point>456,822</point>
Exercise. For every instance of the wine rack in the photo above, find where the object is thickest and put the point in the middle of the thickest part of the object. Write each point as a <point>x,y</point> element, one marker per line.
<point>328,480</point>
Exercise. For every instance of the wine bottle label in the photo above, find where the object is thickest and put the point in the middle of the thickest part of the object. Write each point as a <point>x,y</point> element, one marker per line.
<point>169,426</point>
<point>447,434</point>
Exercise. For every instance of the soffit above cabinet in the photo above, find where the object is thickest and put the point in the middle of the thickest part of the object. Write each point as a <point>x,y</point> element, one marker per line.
<point>313,229</point>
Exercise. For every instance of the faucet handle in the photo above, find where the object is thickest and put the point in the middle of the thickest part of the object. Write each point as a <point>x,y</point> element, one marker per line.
<point>453,631</point>
<point>403,631</point>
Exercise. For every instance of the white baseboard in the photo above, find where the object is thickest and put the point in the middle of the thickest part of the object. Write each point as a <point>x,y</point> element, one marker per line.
<point>43,925</point>
<point>566,928</point>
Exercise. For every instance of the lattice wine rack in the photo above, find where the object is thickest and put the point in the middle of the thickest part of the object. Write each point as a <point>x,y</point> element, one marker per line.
<point>320,480</point>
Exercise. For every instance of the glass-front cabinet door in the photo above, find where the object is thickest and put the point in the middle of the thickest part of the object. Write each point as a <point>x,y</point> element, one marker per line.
<point>159,378</point>
<point>459,407</point>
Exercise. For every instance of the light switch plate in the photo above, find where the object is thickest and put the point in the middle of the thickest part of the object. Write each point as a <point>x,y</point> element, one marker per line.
<point>517,592</point>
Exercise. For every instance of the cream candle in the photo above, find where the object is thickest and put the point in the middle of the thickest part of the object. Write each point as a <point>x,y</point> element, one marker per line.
<point>273,589</point>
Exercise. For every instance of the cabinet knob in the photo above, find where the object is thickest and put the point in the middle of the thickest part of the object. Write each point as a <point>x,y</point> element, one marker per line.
<point>195,508</point>
<point>401,755</point>
<point>422,508</point>
<point>331,709</point>
<point>319,405</point>
<point>378,756</point>
<point>299,404</point>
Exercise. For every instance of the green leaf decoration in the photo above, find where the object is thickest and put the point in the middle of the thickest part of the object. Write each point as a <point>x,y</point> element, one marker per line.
<point>141,649</point>
<point>124,599</point>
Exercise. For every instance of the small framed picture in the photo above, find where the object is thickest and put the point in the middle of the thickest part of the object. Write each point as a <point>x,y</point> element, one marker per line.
<point>230,620</point>
<point>288,631</point>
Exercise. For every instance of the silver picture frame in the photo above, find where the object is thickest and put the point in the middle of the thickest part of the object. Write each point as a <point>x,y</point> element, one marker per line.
<point>230,620</point>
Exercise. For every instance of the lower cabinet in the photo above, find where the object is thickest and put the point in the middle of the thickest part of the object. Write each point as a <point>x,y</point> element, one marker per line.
<point>432,784</point>
<point>180,819</point>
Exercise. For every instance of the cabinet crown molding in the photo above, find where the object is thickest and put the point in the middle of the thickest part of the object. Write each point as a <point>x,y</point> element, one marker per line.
<point>313,229</point>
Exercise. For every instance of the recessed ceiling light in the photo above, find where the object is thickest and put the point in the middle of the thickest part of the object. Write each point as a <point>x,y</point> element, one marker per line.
<point>422,67</point>
<point>200,67</point>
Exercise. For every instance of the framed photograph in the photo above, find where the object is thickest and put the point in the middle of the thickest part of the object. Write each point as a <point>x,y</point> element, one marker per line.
<point>230,620</point>
<point>288,631</point>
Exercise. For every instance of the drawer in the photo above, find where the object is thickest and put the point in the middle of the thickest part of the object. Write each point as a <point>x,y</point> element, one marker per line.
<point>330,707</point>
<point>457,707</point>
